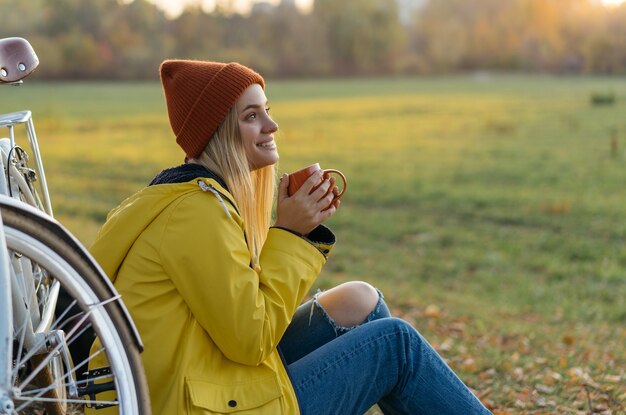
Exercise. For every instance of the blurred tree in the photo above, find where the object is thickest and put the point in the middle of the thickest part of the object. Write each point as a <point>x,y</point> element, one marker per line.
<point>542,43</point>
<point>535,35</point>
<point>603,46</point>
<point>288,43</point>
<point>363,36</point>
<point>195,35</point>
<point>442,34</point>
<point>71,32</point>
<point>122,39</point>
<point>139,40</point>
<point>615,30</point>
<point>18,18</point>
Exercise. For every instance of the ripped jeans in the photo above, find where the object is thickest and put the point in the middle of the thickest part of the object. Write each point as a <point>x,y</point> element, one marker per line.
<point>385,361</point>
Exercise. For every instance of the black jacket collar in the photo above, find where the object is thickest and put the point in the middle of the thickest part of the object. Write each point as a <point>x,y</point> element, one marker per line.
<point>184,173</point>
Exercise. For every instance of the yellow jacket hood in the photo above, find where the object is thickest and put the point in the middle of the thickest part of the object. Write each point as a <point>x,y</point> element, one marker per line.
<point>127,221</point>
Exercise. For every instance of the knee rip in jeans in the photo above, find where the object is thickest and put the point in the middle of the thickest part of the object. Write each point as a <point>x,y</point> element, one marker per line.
<point>338,328</point>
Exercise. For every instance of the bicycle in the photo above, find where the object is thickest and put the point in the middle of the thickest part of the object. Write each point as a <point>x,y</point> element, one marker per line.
<point>55,300</point>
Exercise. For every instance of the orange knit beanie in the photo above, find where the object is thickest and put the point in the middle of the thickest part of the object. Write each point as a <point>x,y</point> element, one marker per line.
<point>199,95</point>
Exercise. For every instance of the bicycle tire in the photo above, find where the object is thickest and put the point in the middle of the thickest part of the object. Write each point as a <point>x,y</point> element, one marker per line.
<point>26,236</point>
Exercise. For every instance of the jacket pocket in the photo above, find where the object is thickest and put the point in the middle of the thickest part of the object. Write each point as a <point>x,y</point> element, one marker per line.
<point>260,396</point>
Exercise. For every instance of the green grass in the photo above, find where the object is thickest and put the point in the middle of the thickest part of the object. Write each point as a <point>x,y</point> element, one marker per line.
<point>491,211</point>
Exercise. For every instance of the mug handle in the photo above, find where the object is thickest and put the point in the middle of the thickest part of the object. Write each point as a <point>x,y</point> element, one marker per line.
<point>345,182</point>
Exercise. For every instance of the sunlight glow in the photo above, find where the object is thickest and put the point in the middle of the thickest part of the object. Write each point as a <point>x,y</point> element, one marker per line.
<point>174,7</point>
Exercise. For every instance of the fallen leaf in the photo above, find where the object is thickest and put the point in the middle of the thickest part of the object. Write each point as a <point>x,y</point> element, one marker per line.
<point>568,339</point>
<point>544,389</point>
<point>485,393</point>
<point>446,346</point>
<point>487,374</point>
<point>577,374</point>
<point>469,365</point>
<point>540,402</point>
<point>458,327</point>
<point>432,311</point>
<point>552,378</point>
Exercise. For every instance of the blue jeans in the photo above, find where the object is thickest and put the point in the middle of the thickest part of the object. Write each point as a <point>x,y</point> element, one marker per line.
<point>384,361</point>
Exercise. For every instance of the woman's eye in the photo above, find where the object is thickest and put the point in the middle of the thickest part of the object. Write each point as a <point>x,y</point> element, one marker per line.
<point>267,110</point>
<point>252,116</point>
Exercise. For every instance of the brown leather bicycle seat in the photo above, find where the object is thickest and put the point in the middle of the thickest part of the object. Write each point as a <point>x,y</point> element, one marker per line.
<point>17,59</point>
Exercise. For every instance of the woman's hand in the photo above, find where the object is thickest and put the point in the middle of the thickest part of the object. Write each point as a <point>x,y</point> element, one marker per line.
<point>307,208</point>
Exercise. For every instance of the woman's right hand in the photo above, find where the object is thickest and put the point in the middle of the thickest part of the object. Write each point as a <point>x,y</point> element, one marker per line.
<point>307,208</point>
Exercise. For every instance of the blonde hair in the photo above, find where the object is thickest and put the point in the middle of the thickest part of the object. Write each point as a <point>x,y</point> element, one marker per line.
<point>253,191</point>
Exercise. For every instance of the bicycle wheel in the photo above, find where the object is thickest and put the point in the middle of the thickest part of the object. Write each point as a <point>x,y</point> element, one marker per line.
<point>47,365</point>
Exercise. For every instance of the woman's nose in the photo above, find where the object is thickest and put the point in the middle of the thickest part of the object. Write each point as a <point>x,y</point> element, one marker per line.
<point>271,126</point>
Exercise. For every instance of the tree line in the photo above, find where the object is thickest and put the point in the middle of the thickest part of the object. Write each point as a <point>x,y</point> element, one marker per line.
<point>114,39</point>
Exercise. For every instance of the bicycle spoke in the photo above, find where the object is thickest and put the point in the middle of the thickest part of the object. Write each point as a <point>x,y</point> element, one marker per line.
<point>77,401</point>
<point>78,383</point>
<point>39,392</point>
<point>53,351</point>
<point>71,321</point>
<point>69,341</point>
<point>76,367</point>
<point>104,302</point>
<point>32,353</point>
<point>50,355</point>
<point>62,316</point>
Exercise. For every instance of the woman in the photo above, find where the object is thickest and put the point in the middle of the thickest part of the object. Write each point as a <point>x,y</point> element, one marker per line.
<point>214,289</point>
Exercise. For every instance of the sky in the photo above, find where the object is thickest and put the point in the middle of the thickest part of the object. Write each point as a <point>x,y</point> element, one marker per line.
<point>175,7</point>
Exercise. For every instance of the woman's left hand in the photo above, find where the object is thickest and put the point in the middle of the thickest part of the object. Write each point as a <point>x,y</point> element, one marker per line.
<point>310,206</point>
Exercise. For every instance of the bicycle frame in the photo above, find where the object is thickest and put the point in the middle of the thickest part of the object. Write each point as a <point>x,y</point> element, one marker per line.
<point>25,117</point>
<point>6,327</point>
<point>14,293</point>
<point>47,280</point>
<point>19,285</point>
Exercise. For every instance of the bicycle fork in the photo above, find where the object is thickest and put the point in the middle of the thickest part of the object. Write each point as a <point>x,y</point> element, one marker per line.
<point>6,328</point>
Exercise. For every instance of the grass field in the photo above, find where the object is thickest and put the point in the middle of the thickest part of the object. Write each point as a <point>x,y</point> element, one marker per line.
<point>490,210</point>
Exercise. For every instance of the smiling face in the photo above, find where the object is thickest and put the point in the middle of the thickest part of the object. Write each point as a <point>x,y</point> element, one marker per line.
<point>256,128</point>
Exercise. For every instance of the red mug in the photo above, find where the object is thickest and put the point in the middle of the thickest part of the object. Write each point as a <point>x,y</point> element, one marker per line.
<point>297,178</point>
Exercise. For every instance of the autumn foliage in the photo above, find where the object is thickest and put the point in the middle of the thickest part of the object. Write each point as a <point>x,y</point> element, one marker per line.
<point>115,39</point>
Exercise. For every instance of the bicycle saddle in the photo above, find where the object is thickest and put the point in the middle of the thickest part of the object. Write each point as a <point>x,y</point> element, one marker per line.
<point>17,59</point>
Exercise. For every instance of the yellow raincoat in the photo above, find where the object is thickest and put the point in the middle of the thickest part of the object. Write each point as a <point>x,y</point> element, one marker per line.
<point>210,324</point>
